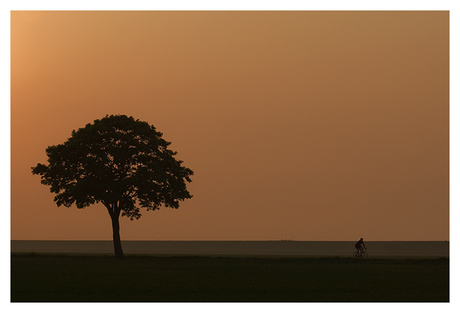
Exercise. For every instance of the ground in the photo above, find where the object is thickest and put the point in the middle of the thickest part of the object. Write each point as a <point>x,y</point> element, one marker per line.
<point>101,278</point>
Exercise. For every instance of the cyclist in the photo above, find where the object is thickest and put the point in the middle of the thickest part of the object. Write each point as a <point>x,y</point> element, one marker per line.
<point>360,245</point>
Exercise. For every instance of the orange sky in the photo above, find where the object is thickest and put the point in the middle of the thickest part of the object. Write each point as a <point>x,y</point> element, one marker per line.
<point>298,125</point>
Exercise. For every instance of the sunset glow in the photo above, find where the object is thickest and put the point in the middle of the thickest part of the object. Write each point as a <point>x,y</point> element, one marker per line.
<point>298,125</point>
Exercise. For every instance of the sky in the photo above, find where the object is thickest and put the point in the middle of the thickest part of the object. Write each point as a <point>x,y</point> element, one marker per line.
<point>299,125</point>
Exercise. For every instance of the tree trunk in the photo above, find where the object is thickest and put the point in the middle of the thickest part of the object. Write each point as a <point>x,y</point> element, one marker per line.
<point>116,236</point>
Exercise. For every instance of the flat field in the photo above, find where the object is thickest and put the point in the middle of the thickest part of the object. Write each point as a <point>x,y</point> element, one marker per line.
<point>101,278</point>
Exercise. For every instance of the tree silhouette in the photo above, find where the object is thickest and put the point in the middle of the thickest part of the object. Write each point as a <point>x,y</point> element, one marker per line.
<point>123,163</point>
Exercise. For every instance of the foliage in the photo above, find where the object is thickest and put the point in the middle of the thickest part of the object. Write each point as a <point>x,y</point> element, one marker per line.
<point>118,161</point>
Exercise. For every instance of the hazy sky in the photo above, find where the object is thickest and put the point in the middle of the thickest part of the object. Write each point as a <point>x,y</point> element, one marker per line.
<point>298,125</point>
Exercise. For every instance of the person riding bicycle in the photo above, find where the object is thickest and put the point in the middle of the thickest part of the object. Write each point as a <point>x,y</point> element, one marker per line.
<point>360,245</point>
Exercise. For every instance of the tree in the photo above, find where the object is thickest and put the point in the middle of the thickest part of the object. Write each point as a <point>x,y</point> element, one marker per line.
<point>120,162</point>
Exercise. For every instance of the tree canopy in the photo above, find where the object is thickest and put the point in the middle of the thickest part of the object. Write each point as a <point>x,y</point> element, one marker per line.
<point>119,161</point>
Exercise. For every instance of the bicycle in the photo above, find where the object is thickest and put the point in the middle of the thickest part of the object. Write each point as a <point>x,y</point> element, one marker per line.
<point>361,253</point>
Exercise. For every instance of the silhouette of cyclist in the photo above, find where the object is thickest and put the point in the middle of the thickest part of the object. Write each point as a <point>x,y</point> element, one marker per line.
<point>360,245</point>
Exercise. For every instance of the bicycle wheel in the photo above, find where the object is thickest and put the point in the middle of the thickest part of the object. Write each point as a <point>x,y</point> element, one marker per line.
<point>364,254</point>
<point>355,254</point>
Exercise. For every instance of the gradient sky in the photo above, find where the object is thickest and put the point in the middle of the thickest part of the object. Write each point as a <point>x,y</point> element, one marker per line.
<point>298,125</point>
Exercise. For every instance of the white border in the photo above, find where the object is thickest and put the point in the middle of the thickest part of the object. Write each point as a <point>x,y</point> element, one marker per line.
<point>7,6</point>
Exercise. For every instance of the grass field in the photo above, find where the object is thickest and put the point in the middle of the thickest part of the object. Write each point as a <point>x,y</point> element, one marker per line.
<point>74,278</point>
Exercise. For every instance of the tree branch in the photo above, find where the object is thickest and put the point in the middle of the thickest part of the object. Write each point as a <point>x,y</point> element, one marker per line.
<point>109,207</point>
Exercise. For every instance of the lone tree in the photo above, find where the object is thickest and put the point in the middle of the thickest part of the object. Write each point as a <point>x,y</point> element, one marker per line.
<point>123,163</point>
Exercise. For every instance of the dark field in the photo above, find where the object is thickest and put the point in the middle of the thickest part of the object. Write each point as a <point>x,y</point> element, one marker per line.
<point>100,278</point>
